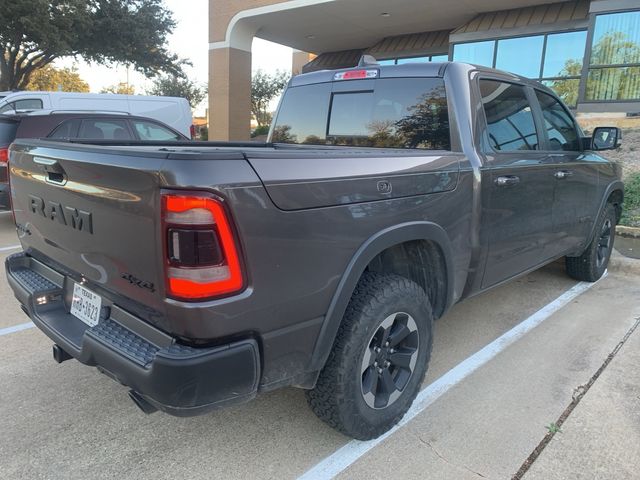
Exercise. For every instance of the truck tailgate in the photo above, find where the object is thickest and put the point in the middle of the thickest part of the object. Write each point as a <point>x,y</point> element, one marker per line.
<point>92,212</point>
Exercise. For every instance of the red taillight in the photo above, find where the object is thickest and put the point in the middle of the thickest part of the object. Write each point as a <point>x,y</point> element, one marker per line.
<point>202,260</point>
<point>4,156</point>
<point>192,131</point>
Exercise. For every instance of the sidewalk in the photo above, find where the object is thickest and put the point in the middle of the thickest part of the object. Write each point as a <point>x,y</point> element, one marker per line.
<point>601,437</point>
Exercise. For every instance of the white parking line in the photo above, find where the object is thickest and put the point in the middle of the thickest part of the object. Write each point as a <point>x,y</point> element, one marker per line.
<point>352,451</point>
<point>16,328</point>
<point>11,247</point>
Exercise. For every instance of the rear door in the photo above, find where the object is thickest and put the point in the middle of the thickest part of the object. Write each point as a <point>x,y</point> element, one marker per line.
<point>517,217</point>
<point>401,125</point>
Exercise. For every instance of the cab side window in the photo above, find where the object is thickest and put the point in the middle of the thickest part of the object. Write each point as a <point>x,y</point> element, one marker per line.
<point>510,124</point>
<point>559,124</point>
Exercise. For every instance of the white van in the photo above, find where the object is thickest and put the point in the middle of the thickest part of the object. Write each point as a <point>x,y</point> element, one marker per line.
<point>173,111</point>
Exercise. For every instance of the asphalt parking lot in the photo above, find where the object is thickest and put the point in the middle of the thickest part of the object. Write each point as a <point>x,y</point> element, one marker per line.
<point>479,418</point>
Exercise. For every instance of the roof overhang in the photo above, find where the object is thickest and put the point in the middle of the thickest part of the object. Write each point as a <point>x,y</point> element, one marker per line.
<point>320,26</point>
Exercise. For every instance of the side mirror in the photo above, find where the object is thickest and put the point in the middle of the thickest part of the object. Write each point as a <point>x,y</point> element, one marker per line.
<point>606,138</point>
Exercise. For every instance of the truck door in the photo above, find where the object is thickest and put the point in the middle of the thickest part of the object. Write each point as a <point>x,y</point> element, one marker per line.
<point>516,221</point>
<point>575,174</point>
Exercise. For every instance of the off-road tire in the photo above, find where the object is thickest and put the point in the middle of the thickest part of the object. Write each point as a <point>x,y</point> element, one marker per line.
<point>587,266</point>
<point>337,398</point>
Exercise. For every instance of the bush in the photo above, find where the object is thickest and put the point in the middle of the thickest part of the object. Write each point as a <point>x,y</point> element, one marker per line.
<point>631,205</point>
<point>263,130</point>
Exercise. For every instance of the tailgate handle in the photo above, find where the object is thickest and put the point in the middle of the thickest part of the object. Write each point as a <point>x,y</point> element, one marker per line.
<point>48,162</point>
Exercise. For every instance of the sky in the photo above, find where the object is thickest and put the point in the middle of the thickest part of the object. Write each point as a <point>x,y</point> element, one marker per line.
<point>189,40</point>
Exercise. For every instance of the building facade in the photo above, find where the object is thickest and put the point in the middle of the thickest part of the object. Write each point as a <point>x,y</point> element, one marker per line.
<point>587,51</point>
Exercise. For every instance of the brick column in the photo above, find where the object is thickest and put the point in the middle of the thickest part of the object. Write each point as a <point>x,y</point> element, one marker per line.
<point>229,94</point>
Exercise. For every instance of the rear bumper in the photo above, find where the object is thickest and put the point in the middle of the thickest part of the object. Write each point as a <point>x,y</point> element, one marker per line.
<point>175,378</point>
<point>5,203</point>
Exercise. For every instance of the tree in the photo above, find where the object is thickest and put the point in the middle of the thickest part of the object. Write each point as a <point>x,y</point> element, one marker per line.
<point>51,79</point>
<point>122,88</point>
<point>567,89</point>
<point>36,32</point>
<point>173,86</point>
<point>264,88</point>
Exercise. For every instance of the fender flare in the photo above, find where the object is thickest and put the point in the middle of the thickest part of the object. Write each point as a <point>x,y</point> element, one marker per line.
<point>615,185</point>
<point>376,244</point>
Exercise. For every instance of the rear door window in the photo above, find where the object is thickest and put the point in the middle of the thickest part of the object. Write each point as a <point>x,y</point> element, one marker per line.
<point>393,113</point>
<point>99,129</point>
<point>510,124</point>
<point>153,131</point>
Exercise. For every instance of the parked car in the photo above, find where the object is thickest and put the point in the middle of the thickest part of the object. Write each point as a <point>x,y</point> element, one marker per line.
<point>75,125</point>
<point>201,275</point>
<point>173,111</point>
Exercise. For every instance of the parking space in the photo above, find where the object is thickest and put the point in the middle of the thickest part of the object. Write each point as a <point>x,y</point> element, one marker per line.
<point>69,421</point>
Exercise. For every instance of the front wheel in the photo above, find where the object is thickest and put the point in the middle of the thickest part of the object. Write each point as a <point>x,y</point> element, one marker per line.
<point>379,358</point>
<point>590,266</point>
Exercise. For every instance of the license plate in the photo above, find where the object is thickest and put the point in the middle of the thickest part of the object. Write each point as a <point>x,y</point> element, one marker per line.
<point>85,305</point>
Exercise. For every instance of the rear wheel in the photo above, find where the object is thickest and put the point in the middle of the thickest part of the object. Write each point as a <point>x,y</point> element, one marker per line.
<point>379,358</point>
<point>590,266</point>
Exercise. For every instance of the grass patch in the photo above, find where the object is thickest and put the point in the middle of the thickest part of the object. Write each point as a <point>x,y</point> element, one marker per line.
<point>631,205</point>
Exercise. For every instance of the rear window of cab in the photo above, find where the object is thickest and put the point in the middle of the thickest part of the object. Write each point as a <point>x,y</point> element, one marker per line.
<point>392,113</point>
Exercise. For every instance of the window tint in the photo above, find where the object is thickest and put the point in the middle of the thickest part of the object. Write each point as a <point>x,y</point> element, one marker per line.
<point>398,113</point>
<point>560,126</point>
<point>153,131</point>
<point>510,122</point>
<point>7,132</point>
<point>302,117</point>
<point>68,129</point>
<point>395,113</point>
<point>104,129</point>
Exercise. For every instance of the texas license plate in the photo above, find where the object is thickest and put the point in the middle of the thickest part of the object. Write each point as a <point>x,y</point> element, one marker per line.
<point>86,305</point>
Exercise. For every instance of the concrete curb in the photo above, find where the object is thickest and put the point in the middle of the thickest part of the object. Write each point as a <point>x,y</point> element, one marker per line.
<point>627,232</point>
<point>620,264</point>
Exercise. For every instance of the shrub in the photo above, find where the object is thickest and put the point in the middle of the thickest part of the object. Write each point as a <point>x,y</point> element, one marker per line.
<point>631,205</point>
<point>262,130</point>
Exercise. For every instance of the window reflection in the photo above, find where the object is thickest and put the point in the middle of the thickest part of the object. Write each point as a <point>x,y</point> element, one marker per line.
<point>396,113</point>
<point>563,55</point>
<point>512,51</point>
<point>614,66</point>
<point>510,122</point>
<point>479,53</point>
<point>561,130</point>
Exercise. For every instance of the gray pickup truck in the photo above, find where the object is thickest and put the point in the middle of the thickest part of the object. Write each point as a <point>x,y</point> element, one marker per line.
<point>199,275</point>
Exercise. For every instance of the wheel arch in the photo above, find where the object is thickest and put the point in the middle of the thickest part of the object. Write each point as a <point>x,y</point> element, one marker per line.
<point>614,194</point>
<point>368,251</point>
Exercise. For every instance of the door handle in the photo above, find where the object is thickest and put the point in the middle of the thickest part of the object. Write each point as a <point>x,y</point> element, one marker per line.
<point>562,174</point>
<point>507,180</point>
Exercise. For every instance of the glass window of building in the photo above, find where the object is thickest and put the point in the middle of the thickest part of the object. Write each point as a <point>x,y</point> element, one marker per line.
<point>479,53</point>
<point>555,59</point>
<point>424,59</point>
<point>614,63</point>
<point>511,52</point>
<point>510,124</point>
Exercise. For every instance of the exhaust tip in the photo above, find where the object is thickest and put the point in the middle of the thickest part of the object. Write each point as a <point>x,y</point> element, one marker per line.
<point>60,355</point>
<point>141,403</point>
